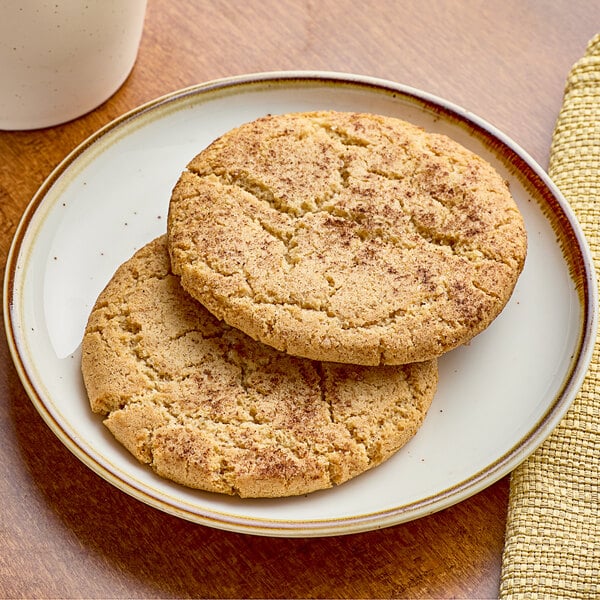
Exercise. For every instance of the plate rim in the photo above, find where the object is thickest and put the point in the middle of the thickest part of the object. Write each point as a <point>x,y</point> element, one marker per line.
<point>524,447</point>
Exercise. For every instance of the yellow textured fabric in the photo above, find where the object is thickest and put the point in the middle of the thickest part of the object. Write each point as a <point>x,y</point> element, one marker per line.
<point>552,546</point>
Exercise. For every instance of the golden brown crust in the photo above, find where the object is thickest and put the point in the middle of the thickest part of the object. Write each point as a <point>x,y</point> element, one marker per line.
<point>208,407</point>
<point>346,237</point>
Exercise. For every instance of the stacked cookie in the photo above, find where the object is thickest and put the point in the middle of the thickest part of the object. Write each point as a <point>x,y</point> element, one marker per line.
<point>282,336</point>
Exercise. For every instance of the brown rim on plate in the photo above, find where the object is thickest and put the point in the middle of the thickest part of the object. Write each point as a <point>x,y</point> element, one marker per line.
<point>550,202</point>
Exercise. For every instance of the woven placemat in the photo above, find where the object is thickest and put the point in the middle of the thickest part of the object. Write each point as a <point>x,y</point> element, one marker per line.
<point>552,547</point>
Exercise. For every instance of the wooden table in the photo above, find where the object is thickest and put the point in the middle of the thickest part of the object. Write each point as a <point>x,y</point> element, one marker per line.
<point>64,532</point>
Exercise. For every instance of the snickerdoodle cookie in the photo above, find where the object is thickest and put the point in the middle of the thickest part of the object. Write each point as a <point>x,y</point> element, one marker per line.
<point>206,406</point>
<point>346,237</point>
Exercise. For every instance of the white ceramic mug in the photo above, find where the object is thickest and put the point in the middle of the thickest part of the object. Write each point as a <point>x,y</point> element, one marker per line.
<point>61,59</point>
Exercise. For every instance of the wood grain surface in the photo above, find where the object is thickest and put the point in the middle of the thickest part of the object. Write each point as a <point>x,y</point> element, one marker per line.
<point>66,533</point>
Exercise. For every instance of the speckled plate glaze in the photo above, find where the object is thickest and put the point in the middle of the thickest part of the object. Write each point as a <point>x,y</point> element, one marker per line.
<point>498,397</point>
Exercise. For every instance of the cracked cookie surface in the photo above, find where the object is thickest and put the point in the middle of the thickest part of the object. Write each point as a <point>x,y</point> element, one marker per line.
<point>346,237</point>
<point>208,407</point>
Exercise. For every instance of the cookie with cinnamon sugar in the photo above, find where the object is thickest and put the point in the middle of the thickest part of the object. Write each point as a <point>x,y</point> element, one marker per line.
<point>346,237</point>
<point>206,406</point>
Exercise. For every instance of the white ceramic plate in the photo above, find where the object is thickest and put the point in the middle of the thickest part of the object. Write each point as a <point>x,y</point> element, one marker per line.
<point>498,397</point>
